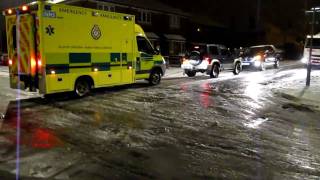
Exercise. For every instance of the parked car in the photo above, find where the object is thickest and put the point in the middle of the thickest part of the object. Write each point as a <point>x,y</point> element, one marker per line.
<point>210,59</point>
<point>4,59</point>
<point>260,57</point>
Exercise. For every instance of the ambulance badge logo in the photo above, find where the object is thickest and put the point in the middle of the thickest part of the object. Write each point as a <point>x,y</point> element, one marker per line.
<point>96,32</point>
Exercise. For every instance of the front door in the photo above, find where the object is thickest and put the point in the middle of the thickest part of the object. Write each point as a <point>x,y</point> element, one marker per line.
<point>145,60</point>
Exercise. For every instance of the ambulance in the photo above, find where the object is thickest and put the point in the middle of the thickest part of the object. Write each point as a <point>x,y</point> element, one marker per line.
<point>55,48</point>
<point>315,59</point>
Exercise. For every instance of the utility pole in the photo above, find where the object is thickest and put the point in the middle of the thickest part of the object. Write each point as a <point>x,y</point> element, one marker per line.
<point>310,48</point>
<point>258,14</point>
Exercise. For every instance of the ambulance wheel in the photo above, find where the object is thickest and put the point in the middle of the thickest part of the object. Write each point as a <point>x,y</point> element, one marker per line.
<point>82,87</point>
<point>155,77</point>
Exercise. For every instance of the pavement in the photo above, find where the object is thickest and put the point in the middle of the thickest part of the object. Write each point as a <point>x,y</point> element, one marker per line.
<point>256,125</point>
<point>303,95</point>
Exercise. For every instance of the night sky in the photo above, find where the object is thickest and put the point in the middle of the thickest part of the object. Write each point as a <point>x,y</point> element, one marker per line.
<point>242,15</point>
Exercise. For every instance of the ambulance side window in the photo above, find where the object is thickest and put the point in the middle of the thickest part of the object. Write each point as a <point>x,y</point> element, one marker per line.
<point>144,45</point>
<point>14,37</point>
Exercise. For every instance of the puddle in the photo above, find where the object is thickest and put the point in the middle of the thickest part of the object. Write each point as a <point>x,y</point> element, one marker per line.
<point>205,96</point>
<point>32,134</point>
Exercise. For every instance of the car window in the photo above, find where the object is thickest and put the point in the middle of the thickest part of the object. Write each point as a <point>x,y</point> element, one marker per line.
<point>213,50</point>
<point>225,52</point>
<point>270,49</point>
<point>315,42</point>
<point>144,45</point>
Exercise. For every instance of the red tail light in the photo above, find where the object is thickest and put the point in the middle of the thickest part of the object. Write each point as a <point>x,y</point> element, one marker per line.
<point>208,59</point>
<point>10,62</point>
<point>10,11</point>
<point>39,63</point>
<point>184,60</point>
<point>25,8</point>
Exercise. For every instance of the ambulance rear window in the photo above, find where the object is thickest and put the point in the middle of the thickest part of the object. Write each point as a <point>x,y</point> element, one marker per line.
<point>14,37</point>
<point>315,42</point>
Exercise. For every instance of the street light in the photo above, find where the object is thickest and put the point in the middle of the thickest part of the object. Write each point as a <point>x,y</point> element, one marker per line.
<point>314,10</point>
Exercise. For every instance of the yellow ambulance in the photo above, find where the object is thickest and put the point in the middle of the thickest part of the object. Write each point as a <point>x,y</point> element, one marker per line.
<point>59,48</point>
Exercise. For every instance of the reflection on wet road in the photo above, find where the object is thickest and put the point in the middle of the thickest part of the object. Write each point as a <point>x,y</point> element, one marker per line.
<point>199,128</point>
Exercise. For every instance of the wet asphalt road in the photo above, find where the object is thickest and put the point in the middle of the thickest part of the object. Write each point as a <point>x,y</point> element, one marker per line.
<point>234,127</point>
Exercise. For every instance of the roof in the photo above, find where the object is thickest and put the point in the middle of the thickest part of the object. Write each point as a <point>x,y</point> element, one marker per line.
<point>152,35</point>
<point>175,37</point>
<point>261,46</point>
<point>153,5</point>
<point>205,20</point>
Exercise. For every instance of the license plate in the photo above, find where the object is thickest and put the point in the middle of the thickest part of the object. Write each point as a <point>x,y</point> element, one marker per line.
<point>245,63</point>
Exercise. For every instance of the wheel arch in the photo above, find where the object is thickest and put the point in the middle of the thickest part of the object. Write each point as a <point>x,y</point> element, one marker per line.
<point>216,62</point>
<point>157,68</point>
<point>87,78</point>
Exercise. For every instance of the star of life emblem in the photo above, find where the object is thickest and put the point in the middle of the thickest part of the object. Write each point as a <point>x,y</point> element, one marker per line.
<point>96,32</point>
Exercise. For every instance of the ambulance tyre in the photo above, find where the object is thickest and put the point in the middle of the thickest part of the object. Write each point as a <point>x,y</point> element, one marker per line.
<point>83,86</point>
<point>155,77</point>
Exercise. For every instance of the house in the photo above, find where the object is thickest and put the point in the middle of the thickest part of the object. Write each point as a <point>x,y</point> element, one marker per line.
<point>164,25</point>
<point>170,28</point>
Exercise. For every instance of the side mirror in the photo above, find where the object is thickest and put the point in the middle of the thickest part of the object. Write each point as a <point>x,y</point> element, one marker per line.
<point>157,50</point>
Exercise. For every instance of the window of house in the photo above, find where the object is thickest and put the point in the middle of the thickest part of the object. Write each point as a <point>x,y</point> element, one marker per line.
<point>174,21</point>
<point>106,7</point>
<point>176,48</point>
<point>144,17</point>
<point>144,45</point>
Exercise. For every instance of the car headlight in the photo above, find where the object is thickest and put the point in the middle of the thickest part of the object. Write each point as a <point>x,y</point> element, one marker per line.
<point>304,60</point>
<point>257,63</point>
<point>257,58</point>
<point>163,60</point>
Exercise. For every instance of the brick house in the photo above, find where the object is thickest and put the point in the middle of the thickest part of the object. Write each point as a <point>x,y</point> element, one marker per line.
<point>169,27</point>
<point>164,25</point>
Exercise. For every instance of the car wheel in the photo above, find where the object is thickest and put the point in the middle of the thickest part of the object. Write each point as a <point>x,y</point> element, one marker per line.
<point>262,66</point>
<point>191,73</point>
<point>276,64</point>
<point>155,78</point>
<point>82,88</point>
<point>215,71</point>
<point>237,69</point>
